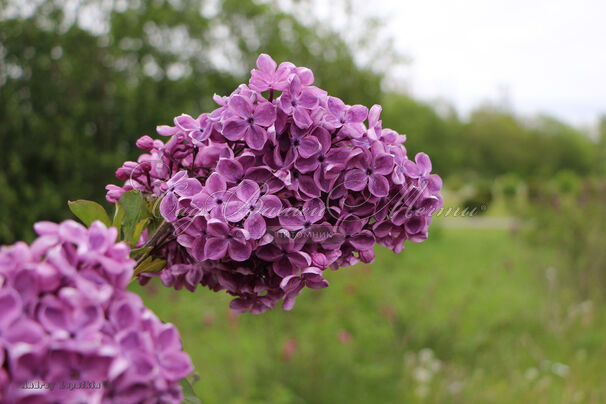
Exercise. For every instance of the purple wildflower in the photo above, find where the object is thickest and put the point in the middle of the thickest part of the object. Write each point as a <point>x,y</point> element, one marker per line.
<point>293,219</point>
<point>211,199</point>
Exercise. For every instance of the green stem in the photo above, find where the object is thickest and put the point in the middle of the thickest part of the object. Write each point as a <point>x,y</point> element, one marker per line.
<point>161,233</point>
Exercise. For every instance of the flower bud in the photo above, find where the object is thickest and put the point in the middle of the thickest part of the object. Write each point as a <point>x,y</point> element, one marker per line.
<point>367,256</point>
<point>319,260</point>
<point>114,193</point>
<point>145,143</point>
<point>126,171</point>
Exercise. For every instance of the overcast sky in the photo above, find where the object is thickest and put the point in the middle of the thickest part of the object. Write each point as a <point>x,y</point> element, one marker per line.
<point>540,55</point>
<point>543,55</point>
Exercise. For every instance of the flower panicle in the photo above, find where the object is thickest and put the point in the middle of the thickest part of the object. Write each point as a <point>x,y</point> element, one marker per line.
<point>280,182</point>
<point>66,319</point>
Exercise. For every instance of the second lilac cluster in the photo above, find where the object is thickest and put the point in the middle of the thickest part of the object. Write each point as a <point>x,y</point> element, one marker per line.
<point>277,184</point>
<point>69,330</point>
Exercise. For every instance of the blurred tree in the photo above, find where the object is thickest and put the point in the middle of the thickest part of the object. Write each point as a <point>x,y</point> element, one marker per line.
<point>496,142</point>
<point>426,131</point>
<point>569,214</point>
<point>601,154</point>
<point>559,146</point>
<point>79,83</point>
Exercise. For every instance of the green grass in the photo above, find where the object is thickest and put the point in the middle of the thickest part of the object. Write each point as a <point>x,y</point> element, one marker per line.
<point>469,316</point>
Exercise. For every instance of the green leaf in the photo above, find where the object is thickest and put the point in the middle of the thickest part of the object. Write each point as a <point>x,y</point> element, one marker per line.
<point>153,207</point>
<point>153,210</point>
<point>89,211</point>
<point>136,252</point>
<point>118,216</point>
<point>189,395</point>
<point>135,212</point>
<point>150,265</point>
<point>139,227</point>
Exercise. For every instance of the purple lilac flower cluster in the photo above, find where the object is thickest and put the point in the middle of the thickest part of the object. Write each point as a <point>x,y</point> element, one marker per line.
<point>70,332</point>
<point>277,184</point>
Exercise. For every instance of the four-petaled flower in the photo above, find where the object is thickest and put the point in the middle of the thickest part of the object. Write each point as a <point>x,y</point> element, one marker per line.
<point>223,240</point>
<point>267,77</point>
<point>327,163</point>
<point>293,219</point>
<point>250,204</point>
<point>370,168</point>
<point>212,198</point>
<point>297,101</point>
<point>350,232</point>
<point>348,119</point>
<point>431,183</point>
<point>249,121</point>
<point>299,143</point>
<point>285,254</point>
<point>196,128</point>
<point>180,185</point>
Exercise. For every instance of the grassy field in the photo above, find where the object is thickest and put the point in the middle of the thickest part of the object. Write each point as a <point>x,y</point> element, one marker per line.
<point>471,316</point>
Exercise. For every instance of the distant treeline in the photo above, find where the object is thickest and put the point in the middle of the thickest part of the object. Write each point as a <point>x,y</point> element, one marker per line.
<point>73,102</point>
<point>493,141</point>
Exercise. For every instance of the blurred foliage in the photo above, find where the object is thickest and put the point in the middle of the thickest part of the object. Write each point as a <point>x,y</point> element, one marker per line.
<point>509,185</point>
<point>426,130</point>
<point>81,81</point>
<point>492,141</point>
<point>73,100</point>
<point>481,197</point>
<point>601,154</point>
<point>569,213</point>
<point>470,317</point>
